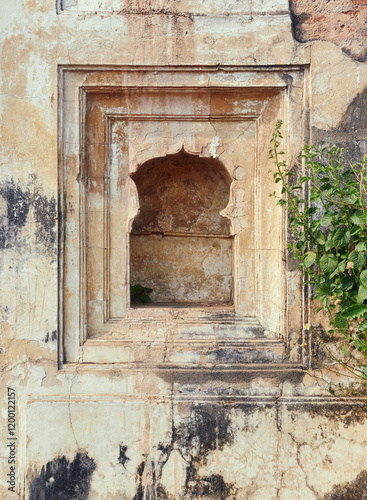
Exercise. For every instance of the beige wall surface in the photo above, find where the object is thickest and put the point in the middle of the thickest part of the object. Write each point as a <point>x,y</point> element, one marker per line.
<point>102,400</point>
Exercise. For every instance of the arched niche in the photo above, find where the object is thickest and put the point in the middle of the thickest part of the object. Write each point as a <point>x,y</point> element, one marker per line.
<point>180,244</point>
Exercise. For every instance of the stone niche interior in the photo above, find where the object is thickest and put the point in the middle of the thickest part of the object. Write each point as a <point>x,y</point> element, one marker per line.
<point>167,186</point>
<point>180,245</point>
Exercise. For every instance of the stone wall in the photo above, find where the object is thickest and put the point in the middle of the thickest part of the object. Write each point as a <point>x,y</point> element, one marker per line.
<point>342,22</point>
<point>102,401</point>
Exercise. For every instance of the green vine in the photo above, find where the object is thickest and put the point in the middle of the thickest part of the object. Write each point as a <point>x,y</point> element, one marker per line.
<point>329,239</point>
<point>139,294</point>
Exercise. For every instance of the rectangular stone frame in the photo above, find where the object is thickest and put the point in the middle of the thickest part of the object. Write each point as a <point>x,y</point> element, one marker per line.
<point>279,352</point>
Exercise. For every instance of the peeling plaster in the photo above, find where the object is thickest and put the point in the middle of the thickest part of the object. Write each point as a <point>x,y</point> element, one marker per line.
<point>168,423</point>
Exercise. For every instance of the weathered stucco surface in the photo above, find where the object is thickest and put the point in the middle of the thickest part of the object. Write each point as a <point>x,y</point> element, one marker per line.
<point>342,22</point>
<point>137,403</point>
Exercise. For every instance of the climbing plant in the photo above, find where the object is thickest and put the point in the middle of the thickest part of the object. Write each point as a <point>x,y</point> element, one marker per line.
<point>139,294</point>
<point>327,215</point>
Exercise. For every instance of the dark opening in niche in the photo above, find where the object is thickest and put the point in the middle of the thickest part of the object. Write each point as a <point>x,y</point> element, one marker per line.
<point>180,245</point>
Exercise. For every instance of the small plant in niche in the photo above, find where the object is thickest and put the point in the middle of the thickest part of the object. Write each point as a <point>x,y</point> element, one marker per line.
<point>329,238</point>
<point>139,294</point>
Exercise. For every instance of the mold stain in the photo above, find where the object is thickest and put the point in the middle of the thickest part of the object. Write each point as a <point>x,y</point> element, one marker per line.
<point>350,133</point>
<point>122,455</point>
<point>341,414</point>
<point>14,217</point>
<point>21,205</point>
<point>329,21</point>
<point>206,430</point>
<point>61,479</point>
<point>139,495</point>
<point>45,214</point>
<point>354,490</point>
<point>50,336</point>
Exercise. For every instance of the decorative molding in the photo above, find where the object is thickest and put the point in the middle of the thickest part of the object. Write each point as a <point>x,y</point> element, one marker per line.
<point>77,78</point>
<point>234,399</point>
<point>129,117</point>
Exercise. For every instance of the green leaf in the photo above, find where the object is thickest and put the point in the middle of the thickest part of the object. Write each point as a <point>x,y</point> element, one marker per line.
<point>341,237</point>
<point>351,197</point>
<point>356,258</point>
<point>312,210</point>
<point>301,245</point>
<point>347,283</point>
<point>362,294</point>
<point>315,195</point>
<point>344,348</point>
<point>144,297</point>
<point>309,258</point>
<point>341,323</point>
<point>139,293</point>
<point>329,243</point>
<point>354,311</point>
<point>341,266</point>
<point>363,278</point>
<point>364,372</point>
<point>361,247</point>
<point>360,346</point>
<point>326,219</point>
<point>326,187</point>
<point>320,238</point>
<point>328,263</point>
<point>355,230</point>
<point>347,173</point>
<point>358,218</point>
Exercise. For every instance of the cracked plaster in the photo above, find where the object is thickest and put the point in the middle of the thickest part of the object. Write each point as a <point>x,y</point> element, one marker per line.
<point>200,435</point>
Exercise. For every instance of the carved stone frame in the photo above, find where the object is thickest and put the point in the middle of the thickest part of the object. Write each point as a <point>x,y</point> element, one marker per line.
<point>185,348</point>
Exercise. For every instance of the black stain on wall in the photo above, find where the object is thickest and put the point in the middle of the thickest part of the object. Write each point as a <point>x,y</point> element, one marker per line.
<point>17,201</point>
<point>355,117</point>
<point>297,23</point>
<point>344,414</point>
<point>354,490</point>
<point>24,204</point>
<point>139,495</point>
<point>253,356</point>
<point>207,429</point>
<point>320,344</point>
<point>45,215</point>
<point>351,132</point>
<point>212,486</point>
<point>330,29</point>
<point>64,480</point>
<point>50,336</point>
<point>122,455</point>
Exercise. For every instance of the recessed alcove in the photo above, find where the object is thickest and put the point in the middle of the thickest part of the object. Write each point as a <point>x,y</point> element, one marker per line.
<point>171,190</point>
<point>180,245</point>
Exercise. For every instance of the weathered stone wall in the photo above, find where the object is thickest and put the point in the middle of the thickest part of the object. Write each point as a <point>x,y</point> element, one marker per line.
<point>187,417</point>
<point>342,22</point>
